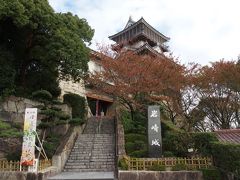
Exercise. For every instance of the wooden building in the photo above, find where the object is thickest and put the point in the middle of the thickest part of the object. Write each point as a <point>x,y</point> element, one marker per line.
<point>137,36</point>
<point>140,36</point>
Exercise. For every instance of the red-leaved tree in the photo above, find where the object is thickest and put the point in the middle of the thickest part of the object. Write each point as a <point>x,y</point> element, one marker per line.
<point>136,80</point>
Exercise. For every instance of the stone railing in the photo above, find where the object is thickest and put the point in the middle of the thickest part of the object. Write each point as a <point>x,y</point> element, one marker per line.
<point>63,151</point>
<point>120,137</point>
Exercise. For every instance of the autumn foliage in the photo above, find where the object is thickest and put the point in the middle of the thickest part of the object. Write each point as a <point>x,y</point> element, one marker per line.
<point>134,79</point>
<point>194,97</point>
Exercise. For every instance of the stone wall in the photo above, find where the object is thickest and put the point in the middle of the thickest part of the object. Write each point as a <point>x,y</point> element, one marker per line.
<point>26,175</point>
<point>120,138</point>
<point>13,108</point>
<point>72,87</point>
<point>158,175</point>
<point>9,145</point>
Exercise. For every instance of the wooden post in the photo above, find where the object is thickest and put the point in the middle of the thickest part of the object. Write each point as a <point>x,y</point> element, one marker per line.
<point>97,107</point>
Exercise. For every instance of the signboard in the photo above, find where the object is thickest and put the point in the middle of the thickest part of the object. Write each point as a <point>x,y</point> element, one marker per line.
<point>154,132</point>
<point>28,146</point>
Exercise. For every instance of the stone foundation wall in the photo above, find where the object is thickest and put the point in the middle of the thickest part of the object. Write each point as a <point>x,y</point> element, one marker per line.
<point>26,175</point>
<point>158,175</point>
<point>13,109</point>
<point>9,145</point>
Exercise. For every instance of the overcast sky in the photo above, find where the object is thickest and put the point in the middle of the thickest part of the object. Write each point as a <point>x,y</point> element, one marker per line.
<point>201,31</point>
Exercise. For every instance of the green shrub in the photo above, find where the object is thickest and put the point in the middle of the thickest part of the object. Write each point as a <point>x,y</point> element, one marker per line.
<point>168,154</point>
<point>50,144</point>
<point>57,102</point>
<point>42,95</point>
<point>138,125</point>
<point>4,125</point>
<point>130,147</point>
<point>63,116</point>
<point>14,156</point>
<point>77,121</point>
<point>136,145</point>
<point>56,108</point>
<point>179,167</point>
<point>17,125</point>
<point>49,112</point>
<point>44,125</point>
<point>157,167</point>
<point>202,142</point>
<point>122,164</point>
<point>78,104</point>
<point>211,174</point>
<point>11,133</point>
<point>139,153</point>
<point>60,122</point>
<point>226,157</point>
<point>135,137</point>
<point>168,126</point>
<point>177,142</point>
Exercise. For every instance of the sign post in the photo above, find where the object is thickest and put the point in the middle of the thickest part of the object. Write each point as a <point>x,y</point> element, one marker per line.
<point>28,146</point>
<point>154,132</point>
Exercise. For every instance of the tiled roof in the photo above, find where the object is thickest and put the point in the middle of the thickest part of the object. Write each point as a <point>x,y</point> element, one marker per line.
<point>229,135</point>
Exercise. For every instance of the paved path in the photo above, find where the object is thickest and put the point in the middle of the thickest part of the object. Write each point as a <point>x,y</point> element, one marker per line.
<point>84,176</point>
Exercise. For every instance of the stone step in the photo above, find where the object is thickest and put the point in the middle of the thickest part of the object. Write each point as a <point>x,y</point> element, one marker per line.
<point>94,149</point>
<point>88,170</point>
<point>83,176</point>
<point>78,158</point>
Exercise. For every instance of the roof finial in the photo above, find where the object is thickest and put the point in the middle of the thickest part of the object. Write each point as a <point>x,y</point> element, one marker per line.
<point>130,18</point>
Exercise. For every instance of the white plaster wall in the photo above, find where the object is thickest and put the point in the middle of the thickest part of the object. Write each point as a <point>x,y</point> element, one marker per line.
<point>72,87</point>
<point>94,67</point>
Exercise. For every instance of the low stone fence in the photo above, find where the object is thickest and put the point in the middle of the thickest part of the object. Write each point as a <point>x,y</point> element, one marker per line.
<point>157,175</point>
<point>63,151</point>
<point>25,175</point>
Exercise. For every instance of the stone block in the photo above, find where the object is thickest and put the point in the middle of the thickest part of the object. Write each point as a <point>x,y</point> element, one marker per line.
<point>128,175</point>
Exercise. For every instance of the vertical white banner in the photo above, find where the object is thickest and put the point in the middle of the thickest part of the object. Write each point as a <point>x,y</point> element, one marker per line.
<point>28,146</point>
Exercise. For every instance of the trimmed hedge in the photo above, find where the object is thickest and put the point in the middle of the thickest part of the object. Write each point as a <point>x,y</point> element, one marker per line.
<point>157,167</point>
<point>202,142</point>
<point>177,142</point>
<point>77,121</point>
<point>122,164</point>
<point>42,95</point>
<point>133,137</point>
<point>7,131</point>
<point>226,157</point>
<point>211,174</point>
<point>78,104</point>
<point>179,167</point>
<point>136,145</point>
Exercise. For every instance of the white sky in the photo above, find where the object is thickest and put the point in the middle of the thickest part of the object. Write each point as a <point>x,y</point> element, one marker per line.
<point>201,31</point>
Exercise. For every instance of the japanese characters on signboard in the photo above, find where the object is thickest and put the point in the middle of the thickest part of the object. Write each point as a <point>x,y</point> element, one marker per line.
<point>154,132</point>
<point>28,146</point>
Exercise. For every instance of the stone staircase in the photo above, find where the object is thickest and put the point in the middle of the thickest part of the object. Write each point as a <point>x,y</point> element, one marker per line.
<point>93,151</point>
